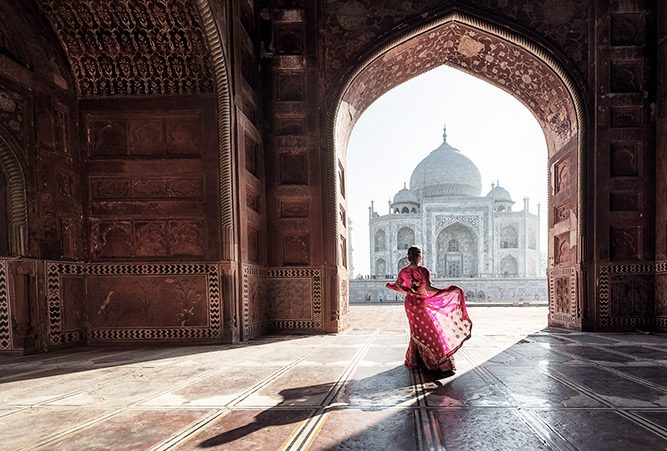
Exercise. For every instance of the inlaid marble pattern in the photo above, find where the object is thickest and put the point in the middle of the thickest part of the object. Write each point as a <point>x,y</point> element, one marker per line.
<point>519,385</point>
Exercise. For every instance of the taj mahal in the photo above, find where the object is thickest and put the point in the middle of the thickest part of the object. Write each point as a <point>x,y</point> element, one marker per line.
<point>483,241</point>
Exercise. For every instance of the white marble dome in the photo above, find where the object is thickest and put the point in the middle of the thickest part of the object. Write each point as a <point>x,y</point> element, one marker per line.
<point>405,196</point>
<point>499,193</point>
<point>446,172</point>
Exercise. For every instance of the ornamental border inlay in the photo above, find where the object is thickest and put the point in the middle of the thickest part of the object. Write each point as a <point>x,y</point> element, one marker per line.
<point>604,294</point>
<point>56,270</point>
<point>574,313</point>
<point>315,274</point>
<point>5,313</point>
<point>250,329</point>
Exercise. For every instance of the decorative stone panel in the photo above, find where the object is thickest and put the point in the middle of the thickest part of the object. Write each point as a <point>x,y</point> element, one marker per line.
<point>295,298</point>
<point>564,306</point>
<point>154,301</point>
<point>626,293</point>
<point>255,318</point>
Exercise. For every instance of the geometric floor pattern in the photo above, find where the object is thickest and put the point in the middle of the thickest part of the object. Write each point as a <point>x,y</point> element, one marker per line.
<point>519,386</point>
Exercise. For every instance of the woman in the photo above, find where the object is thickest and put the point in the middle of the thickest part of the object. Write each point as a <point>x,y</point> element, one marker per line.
<point>439,322</point>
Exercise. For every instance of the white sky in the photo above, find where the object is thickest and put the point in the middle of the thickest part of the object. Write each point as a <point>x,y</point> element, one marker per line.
<point>492,128</point>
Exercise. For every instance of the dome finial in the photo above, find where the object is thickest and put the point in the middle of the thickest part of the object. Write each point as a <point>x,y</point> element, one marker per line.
<point>444,133</point>
<point>404,185</point>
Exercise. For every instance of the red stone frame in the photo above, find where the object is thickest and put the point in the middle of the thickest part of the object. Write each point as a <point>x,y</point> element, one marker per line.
<point>511,62</point>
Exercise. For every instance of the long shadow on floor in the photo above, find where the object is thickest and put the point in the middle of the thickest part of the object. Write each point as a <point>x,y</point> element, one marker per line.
<point>607,373</point>
<point>87,358</point>
<point>369,388</point>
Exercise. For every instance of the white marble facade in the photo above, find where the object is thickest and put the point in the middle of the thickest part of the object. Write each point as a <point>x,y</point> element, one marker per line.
<point>463,234</point>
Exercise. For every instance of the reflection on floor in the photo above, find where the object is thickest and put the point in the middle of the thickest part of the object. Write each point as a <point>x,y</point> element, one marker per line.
<point>519,386</point>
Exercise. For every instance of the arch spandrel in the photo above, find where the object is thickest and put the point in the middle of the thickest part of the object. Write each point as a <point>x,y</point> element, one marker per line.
<point>511,62</point>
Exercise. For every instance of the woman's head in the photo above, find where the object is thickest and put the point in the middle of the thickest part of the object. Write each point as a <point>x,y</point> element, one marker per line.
<point>414,254</point>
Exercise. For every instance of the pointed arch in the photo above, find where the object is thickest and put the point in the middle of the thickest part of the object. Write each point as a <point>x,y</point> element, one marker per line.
<point>17,205</point>
<point>498,54</point>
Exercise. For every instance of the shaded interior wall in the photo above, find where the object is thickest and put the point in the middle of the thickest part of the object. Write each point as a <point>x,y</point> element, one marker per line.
<point>661,171</point>
<point>151,196</point>
<point>296,285</point>
<point>4,218</point>
<point>621,167</point>
<point>248,41</point>
<point>38,122</point>
<point>124,240</point>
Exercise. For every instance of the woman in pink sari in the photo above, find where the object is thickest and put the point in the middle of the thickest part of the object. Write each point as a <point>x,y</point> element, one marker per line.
<point>439,322</point>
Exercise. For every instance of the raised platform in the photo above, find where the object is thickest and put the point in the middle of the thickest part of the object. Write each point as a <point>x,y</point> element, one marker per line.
<point>506,291</point>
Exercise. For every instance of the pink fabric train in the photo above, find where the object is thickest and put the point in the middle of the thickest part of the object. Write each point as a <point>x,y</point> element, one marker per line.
<point>439,322</point>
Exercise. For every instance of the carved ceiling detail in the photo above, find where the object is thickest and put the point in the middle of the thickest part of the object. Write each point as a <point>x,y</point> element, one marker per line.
<point>132,47</point>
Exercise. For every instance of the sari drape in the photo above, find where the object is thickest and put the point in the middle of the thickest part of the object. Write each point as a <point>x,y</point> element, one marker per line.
<point>439,322</point>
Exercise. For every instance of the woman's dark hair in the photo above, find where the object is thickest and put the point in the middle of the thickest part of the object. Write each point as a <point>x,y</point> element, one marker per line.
<point>413,253</point>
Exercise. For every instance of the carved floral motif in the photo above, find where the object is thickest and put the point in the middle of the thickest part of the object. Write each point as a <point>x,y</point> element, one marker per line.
<point>133,48</point>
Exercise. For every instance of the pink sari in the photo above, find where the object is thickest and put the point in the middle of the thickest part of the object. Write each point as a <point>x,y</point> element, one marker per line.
<point>439,322</point>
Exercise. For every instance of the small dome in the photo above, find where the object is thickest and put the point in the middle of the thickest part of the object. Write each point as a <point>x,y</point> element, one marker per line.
<point>446,172</point>
<point>498,193</point>
<point>405,196</point>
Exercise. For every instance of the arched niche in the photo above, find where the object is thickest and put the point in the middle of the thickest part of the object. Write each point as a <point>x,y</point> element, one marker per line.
<point>461,262</point>
<point>380,267</point>
<point>509,237</point>
<point>402,263</point>
<point>509,266</point>
<point>15,214</point>
<point>380,241</point>
<point>519,64</point>
<point>405,237</point>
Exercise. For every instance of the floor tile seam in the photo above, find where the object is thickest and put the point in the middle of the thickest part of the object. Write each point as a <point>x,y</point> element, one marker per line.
<point>432,431</point>
<point>46,358</point>
<point>109,383</point>
<point>639,380</point>
<point>72,430</point>
<point>190,381</point>
<point>12,410</point>
<point>563,379</point>
<point>643,422</point>
<point>419,433</point>
<point>352,366</point>
<point>542,431</point>
<point>488,378</point>
<point>304,434</point>
<point>617,372</point>
<point>188,432</point>
<point>610,348</point>
<point>417,381</point>
<point>267,380</point>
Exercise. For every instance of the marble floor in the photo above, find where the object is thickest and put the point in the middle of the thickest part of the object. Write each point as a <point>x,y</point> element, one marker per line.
<point>519,386</point>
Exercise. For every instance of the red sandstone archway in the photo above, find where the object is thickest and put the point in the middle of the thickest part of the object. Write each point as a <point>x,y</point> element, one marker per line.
<point>511,62</point>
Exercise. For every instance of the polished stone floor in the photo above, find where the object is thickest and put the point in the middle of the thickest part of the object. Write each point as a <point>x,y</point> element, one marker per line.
<point>519,386</point>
